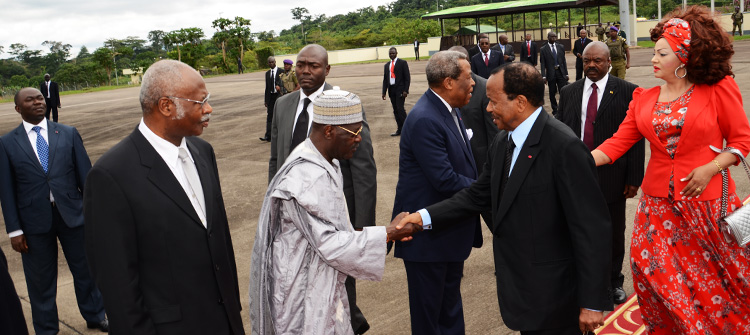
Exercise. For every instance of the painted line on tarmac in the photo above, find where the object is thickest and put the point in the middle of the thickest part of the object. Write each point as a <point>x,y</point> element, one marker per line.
<point>97,102</point>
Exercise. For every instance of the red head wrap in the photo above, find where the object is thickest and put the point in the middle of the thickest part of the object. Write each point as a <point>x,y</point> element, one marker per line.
<point>677,33</point>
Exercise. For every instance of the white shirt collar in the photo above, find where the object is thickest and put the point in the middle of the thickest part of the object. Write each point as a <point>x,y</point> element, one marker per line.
<point>448,106</point>
<point>394,60</point>
<point>168,151</point>
<point>42,124</point>
<point>312,96</point>
<point>599,84</point>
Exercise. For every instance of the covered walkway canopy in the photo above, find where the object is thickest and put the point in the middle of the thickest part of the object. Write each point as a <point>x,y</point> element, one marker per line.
<point>510,8</point>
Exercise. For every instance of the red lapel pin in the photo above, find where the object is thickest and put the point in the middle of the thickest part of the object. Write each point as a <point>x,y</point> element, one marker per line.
<point>529,156</point>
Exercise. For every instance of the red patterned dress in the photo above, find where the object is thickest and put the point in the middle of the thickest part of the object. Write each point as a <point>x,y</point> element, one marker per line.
<point>690,279</point>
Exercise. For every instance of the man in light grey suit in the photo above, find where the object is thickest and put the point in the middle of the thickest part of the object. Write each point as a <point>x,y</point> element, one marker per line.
<point>359,172</point>
<point>504,48</point>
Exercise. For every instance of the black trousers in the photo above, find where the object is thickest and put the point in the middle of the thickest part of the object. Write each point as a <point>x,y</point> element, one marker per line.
<point>397,101</point>
<point>573,330</point>
<point>554,86</point>
<point>12,321</point>
<point>40,269</point>
<point>416,52</point>
<point>359,322</point>
<point>617,215</point>
<point>50,107</point>
<point>435,297</point>
<point>269,117</point>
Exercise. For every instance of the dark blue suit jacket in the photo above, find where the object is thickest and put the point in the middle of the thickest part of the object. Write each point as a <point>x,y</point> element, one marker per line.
<point>482,70</point>
<point>435,163</point>
<point>25,188</point>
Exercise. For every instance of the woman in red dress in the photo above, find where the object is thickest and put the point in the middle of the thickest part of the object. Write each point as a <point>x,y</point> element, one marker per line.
<point>690,277</point>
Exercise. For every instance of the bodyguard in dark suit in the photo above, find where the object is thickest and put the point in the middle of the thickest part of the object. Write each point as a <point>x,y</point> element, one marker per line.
<point>51,96</point>
<point>157,235</point>
<point>594,125</point>
<point>505,49</point>
<point>486,60</point>
<point>12,321</point>
<point>529,51</point>
<point>272,92</point>
<point>578,47</point>
<point>396,81</point>
<point>43,166</point>
<point>359,172</point>
<point>434,163</point>
<point>550,228</point>
<point>474,49</point>
<point>554,68</point>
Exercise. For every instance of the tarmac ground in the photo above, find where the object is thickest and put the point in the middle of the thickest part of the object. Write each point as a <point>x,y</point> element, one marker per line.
<point>238,120</point>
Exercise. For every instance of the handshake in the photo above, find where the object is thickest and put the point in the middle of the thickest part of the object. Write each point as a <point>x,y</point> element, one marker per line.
<point>403,226</point>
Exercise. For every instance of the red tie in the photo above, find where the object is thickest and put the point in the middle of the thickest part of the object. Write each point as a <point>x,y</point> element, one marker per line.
<point>588,129</point>
<point>528,49</point>
<point>486,60</point>
<point>393,74</point>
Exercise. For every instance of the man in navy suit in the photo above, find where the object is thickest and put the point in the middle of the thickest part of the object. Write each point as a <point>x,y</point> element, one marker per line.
<point>396,81</point>
<point>435,162</point>
<point>51,96</point>
<point>578,48</point>
<point>43,166</point>
<point>486,60</point>
<point>554,67</point>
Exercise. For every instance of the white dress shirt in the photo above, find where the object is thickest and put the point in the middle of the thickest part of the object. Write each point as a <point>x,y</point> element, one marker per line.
<point>301,105</point>
<point>587,90</point>
<point>170,154</point>
<point>48,96</point>
<point>273,78</point>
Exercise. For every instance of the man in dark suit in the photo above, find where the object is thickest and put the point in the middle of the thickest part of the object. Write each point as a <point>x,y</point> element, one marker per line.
<point>272,92</point>
<point>475,48</point>
<point>359,172</point>
<point>396,81</point>
<point>51,96</point>
<point>620,180</point>
<point>435,162</point>
<point>554,67</point>
<point>416,48</point>
<point>157,235</point>
<point>505,49</point>
<point>529,51</point>
<point>550,228</point>
<point>486,60</point>
<point>43,166</point>
<point>578,47</point>
<point>12,321</point>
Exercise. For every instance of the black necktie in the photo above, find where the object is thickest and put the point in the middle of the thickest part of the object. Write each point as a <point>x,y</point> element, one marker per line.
<point>300,128</point>
<point>509,146</point>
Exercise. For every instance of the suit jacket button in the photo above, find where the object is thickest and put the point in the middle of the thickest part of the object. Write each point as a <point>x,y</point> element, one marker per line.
<point>221,301</point>
<point>217,267</point>
<point>210,234</point>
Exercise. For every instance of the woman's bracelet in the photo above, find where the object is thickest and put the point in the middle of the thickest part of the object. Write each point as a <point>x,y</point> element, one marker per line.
<point>717,165</point>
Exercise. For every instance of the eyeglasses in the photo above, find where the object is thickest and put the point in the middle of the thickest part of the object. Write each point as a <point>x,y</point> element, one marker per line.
<point>351,132</point>
<point>195,101</point>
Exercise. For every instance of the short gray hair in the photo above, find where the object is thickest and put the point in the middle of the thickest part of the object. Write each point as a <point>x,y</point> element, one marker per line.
<point>443,64</point>
<point>161,79</point>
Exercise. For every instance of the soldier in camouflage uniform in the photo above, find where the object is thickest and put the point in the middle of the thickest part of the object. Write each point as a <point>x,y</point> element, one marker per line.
<point>619,53</point>
<point>737,19</point>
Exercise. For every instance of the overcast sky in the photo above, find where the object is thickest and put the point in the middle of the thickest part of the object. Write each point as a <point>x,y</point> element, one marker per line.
<point>89,23</point>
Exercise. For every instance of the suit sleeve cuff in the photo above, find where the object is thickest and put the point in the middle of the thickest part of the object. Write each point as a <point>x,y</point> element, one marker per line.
<point>426,219</point>
<point>15,233</point>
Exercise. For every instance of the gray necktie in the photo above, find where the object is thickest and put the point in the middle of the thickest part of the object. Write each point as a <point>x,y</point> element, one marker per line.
<point>192,177</point>
<point>455,119</point>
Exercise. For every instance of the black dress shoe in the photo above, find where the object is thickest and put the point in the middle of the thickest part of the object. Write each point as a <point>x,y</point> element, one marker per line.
<point>619,296</point>
<point>101,325</point>
<point>397,133</point>
<point>265,139</point>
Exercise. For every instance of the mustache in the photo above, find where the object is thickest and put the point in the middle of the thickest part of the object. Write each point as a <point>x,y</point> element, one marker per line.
<point>206,118</point>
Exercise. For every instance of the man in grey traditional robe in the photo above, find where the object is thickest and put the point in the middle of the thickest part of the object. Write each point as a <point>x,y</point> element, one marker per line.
<point>305,245</point>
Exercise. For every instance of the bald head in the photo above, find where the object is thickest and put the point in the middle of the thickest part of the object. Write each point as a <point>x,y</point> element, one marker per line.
<point>596,60</point>
<point>316,50</point>
<point>162,78</point>
<point>312,68</point>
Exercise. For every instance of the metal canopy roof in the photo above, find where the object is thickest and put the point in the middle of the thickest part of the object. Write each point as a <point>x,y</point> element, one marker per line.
<point>513,7</point>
